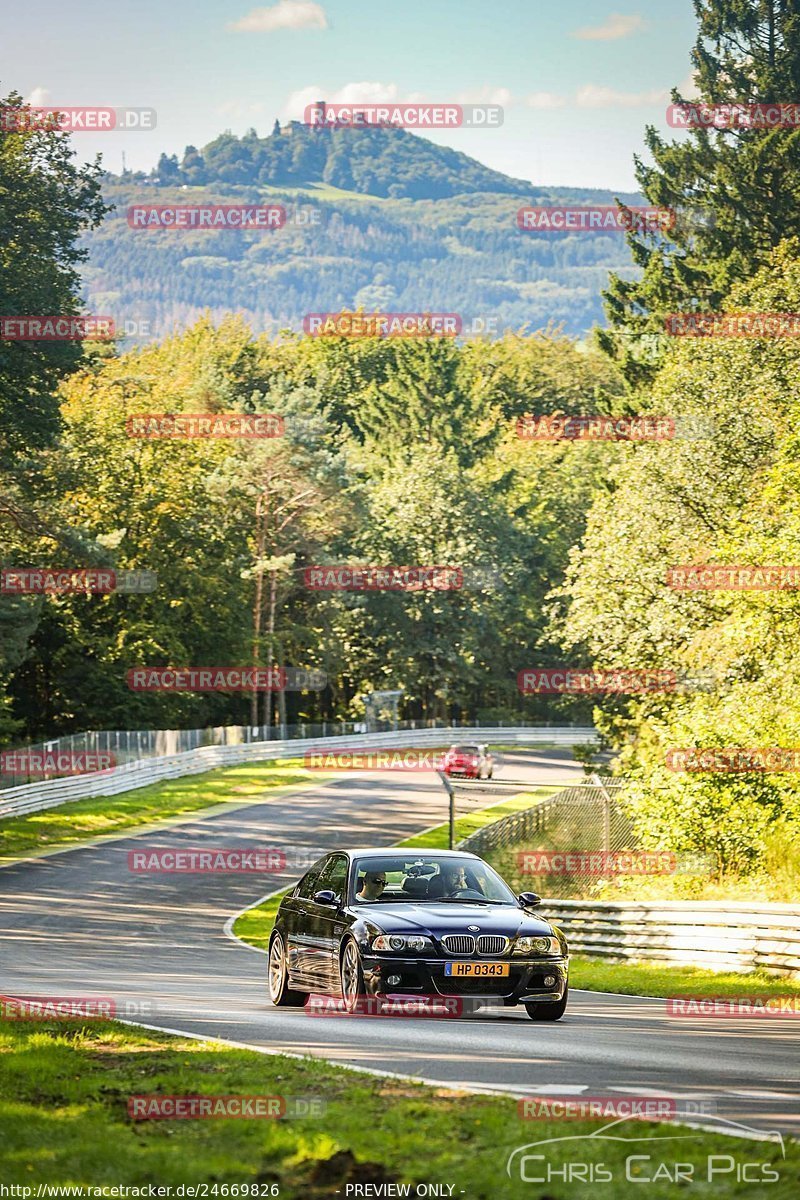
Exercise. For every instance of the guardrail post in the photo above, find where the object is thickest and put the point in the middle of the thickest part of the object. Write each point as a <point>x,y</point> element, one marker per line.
<point>451,791</point>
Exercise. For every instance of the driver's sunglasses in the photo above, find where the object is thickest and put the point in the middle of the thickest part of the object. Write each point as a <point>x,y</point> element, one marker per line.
<point>381,881</point>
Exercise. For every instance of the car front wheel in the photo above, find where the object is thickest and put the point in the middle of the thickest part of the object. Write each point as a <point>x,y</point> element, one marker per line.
<point>281,995</point>
<point>547,1010</point>
<point>351,975</point>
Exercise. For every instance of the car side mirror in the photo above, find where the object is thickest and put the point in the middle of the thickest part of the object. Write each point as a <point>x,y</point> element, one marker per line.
<point>326,897</point>
<point>529,899</point>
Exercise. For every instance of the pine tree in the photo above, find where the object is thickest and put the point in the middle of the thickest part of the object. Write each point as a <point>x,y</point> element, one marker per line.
<point>735,191</point>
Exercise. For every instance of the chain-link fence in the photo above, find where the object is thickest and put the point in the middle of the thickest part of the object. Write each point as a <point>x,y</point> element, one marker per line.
<point>580,844</point>
<point>564,845</point>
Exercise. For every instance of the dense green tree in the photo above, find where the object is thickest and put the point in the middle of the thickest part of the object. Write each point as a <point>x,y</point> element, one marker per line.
<point>729,497</point>
<point>735,191</point>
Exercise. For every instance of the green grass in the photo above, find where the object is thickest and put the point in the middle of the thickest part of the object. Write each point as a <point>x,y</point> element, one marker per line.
<point>255,925</point>
<point>660,979</point>
<point>64,1092</point>
<point>79,820</point>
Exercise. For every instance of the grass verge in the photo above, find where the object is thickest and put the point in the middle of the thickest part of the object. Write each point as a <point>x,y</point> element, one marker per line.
<point>65,1090</point>
<point>661,979</point>
<point>80,820</point>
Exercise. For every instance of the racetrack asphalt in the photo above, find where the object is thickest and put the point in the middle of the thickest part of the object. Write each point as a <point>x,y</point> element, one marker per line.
<point>81,923</point>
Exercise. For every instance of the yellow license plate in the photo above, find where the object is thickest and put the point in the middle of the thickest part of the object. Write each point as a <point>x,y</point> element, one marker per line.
<point>487,969</point>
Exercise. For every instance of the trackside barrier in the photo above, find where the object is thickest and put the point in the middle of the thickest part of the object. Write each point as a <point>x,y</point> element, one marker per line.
<point>712,934</point>
<point>35,797</point>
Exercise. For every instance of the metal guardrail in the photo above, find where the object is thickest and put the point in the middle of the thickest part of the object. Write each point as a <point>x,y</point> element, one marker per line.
<point>713,934</point>
<point>131,745</point>
<point>35,797</point>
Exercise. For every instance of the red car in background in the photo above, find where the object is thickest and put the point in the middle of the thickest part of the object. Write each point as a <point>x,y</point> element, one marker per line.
<point>470,761</point>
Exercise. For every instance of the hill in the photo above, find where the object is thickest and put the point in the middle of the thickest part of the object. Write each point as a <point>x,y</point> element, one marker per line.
<point>377,218</point>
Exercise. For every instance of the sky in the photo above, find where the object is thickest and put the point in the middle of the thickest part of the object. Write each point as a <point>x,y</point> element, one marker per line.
<point>578,80</point>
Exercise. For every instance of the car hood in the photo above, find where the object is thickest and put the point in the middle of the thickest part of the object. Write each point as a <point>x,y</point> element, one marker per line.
<point>451,917</point>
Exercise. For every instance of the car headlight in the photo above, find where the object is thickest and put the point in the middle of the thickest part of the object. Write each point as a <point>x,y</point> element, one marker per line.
<point>537,945</point>
<point>397,942</point>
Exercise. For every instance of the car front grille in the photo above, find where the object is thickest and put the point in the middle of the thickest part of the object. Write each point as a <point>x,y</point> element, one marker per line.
<point>459,943</point>
<point>492,943</point>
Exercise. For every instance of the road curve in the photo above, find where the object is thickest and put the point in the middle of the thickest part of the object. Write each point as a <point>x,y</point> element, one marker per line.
<point>80,923</point>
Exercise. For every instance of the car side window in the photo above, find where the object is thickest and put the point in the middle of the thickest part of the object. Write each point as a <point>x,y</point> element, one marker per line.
<point>334,875</point>
<point>308,884</point>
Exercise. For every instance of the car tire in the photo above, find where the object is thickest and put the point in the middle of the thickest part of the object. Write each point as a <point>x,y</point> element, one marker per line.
<point>351,975</point>
<point>547,1010</point>
<point>281,995</point>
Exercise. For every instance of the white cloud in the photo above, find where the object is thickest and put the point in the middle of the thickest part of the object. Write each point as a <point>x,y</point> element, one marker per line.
<point>286,14</point>
<point>485,95</point>
<point>545,100</point>
<point>241,109</point>
<point>614,27</point>
<point>39,98</point>
<point>592,96</point>
<point>351,93</point>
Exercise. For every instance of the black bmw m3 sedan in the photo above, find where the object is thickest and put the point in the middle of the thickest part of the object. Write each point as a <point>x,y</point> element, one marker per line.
<point>392,923</point>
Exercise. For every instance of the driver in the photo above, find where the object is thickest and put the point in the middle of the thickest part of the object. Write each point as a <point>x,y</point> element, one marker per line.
<point>372,886</point>
<point>455,880</point>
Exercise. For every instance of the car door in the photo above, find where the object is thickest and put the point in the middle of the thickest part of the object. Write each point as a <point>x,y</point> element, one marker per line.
<point>331,920</point>
<point>312,939</point>
<point>299,916</point>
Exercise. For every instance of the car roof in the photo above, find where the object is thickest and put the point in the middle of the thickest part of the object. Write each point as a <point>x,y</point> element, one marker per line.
<point>402,852</point>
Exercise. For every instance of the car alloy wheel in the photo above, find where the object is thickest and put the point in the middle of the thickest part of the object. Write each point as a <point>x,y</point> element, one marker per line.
<point>277,968</point>
<point>281,995</point>
<point>351,976</point>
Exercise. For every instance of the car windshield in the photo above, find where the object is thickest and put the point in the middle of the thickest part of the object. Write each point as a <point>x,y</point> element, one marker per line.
<point>466,749</point>
<point>427,879</point>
